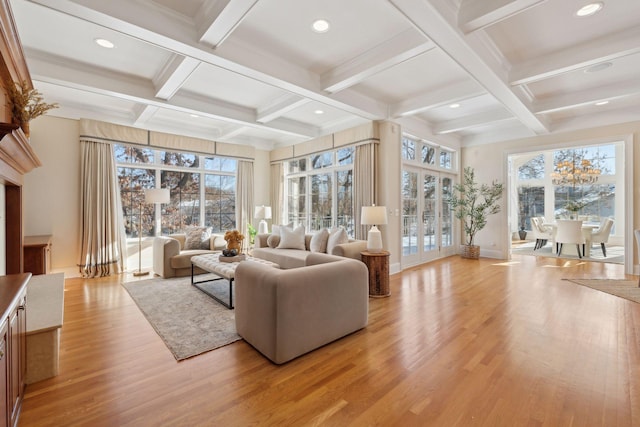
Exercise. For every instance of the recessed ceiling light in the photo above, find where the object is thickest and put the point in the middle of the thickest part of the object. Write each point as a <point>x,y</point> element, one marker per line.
<point>319,112</point>
<point>320,26</point>
<point>454,105</point>
<point>590,9</point>
<point>602,103</point>
<point>104,43</point>
<point>598,67</point>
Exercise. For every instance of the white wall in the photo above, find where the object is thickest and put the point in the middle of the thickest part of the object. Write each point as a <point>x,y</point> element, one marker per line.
<point>51,192</point>
<point>262,183</point>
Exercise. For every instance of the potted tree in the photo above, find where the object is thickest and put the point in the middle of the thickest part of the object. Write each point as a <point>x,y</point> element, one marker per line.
<point>473,203</point>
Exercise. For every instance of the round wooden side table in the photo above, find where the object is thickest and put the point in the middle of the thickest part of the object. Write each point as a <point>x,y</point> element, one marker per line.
<point>378,265</point>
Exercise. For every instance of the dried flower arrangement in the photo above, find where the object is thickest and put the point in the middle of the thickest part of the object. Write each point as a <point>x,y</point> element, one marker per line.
<point>26,104</point>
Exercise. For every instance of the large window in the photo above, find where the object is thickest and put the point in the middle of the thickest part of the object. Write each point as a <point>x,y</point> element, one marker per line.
<point>202,190</point>
<point>548,182</point>
<point>319,190</point>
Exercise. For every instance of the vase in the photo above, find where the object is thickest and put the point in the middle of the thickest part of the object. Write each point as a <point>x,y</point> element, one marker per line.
<point>470,251</point>
<point>522,234</point>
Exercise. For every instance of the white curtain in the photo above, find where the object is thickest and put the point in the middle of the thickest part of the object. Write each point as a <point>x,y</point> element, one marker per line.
<point>244,197</point>
<point>277,193</point>
<point>102,235</point>
<point>365,183</point>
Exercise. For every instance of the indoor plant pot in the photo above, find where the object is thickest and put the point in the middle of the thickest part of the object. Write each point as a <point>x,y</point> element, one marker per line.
<point>473,203</point>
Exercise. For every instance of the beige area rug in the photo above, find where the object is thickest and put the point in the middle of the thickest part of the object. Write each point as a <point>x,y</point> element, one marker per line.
<point>188,321</point>
<point>627,289</point>
<point>615,254</point>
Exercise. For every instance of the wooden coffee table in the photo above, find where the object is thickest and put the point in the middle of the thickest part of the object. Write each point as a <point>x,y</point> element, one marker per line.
<point>224,270</point>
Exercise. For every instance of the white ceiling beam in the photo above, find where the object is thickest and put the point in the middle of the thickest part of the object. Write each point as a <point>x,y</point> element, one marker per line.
<point>436,20</point>
<point>392,52</point>
<point>607,48</point>
<point>472,121</point>
<point>72,74</point>
<point>167,32</point>
<point>437,98</point>
<point>582,98</point>
<point>173,75</point>
<point>231,133</point>
<point>280,107</point>
<point>143,113</point>
<point>216,20</point>
<point>475,15</point>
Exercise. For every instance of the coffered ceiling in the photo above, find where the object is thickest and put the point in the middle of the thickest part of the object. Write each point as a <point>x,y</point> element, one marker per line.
<point>254,72</point>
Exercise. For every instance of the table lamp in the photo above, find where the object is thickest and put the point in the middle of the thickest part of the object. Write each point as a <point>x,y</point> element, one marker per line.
<point>262,213</point>
<point>374,215</point>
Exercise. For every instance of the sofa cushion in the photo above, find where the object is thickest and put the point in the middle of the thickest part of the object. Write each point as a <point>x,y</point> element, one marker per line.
<point>337,236</point>
<point>319,241</point>
<point>273,240</point>
<point>197,238</point>
<point>292,239</point>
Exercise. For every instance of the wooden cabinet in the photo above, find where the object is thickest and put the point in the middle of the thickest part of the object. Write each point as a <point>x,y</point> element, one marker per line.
<point>13,304</point>
<point>378,265</point>
<point>37,254</point>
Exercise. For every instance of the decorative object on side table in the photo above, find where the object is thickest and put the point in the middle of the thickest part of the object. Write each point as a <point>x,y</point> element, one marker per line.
<point>378,265</point>
<point>26,103</point>
<point>374,215</point>
<point>473,204</point>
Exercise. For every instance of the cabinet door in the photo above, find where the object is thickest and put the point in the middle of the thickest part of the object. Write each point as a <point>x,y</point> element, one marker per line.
<point>4,386</point>
<point>17,358</point>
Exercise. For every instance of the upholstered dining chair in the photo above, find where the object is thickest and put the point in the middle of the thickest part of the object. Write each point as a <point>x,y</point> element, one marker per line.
<point>540,233</point>
<point>601,235</point>
<point>569,231</point>
<point>637,233</point>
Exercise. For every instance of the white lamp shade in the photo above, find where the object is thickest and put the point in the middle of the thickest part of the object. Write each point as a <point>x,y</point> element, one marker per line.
<point>262,212</point>
<point>373,215</point>
<point>157,195</point>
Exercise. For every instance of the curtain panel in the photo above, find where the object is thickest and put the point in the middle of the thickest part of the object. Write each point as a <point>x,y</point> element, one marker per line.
<point>244,197</point>
<point>365,183</point>
<point>277,193</point>
<point>102,234</point>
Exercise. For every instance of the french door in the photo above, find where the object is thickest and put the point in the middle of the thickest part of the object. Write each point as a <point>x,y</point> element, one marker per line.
<point>427,220</point>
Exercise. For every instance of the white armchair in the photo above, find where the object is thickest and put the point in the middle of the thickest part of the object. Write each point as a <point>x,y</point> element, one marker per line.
<point>569,231</point>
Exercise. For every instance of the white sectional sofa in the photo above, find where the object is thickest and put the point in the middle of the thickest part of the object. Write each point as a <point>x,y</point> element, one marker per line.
<point>293,258</point>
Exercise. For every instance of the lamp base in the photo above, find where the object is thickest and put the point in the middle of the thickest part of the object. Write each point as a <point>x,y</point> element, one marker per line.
<point>374,240</point>
<point>140,273</point>
<point>263,228</point>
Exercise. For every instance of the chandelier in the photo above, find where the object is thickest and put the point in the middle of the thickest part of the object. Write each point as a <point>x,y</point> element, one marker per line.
<point>568,172</point>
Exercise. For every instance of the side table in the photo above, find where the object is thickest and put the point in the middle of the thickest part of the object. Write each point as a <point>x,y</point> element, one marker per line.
<point>378,265</point>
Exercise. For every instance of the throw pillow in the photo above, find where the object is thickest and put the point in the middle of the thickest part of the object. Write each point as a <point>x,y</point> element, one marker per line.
<point>193,237</point>
<point>319,241</point>
<point>206,236</point>
<point>292,239</point>
<point>273,240</point>
<point>337,236</point>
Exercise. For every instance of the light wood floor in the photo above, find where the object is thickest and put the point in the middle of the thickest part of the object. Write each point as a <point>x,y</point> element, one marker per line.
<point>458,343</point>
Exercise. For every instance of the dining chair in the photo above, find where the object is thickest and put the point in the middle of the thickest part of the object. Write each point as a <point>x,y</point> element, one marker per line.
<point>540,233</point>
<point>569,231</point>
<point>601,235</point>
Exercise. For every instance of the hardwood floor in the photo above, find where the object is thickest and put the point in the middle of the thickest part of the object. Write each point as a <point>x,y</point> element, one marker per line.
<point>458,343</point>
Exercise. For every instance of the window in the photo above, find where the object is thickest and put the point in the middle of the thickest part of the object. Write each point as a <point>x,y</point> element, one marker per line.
<point>202,189</point>
<point>322,194</point>
<point>430,155</point>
